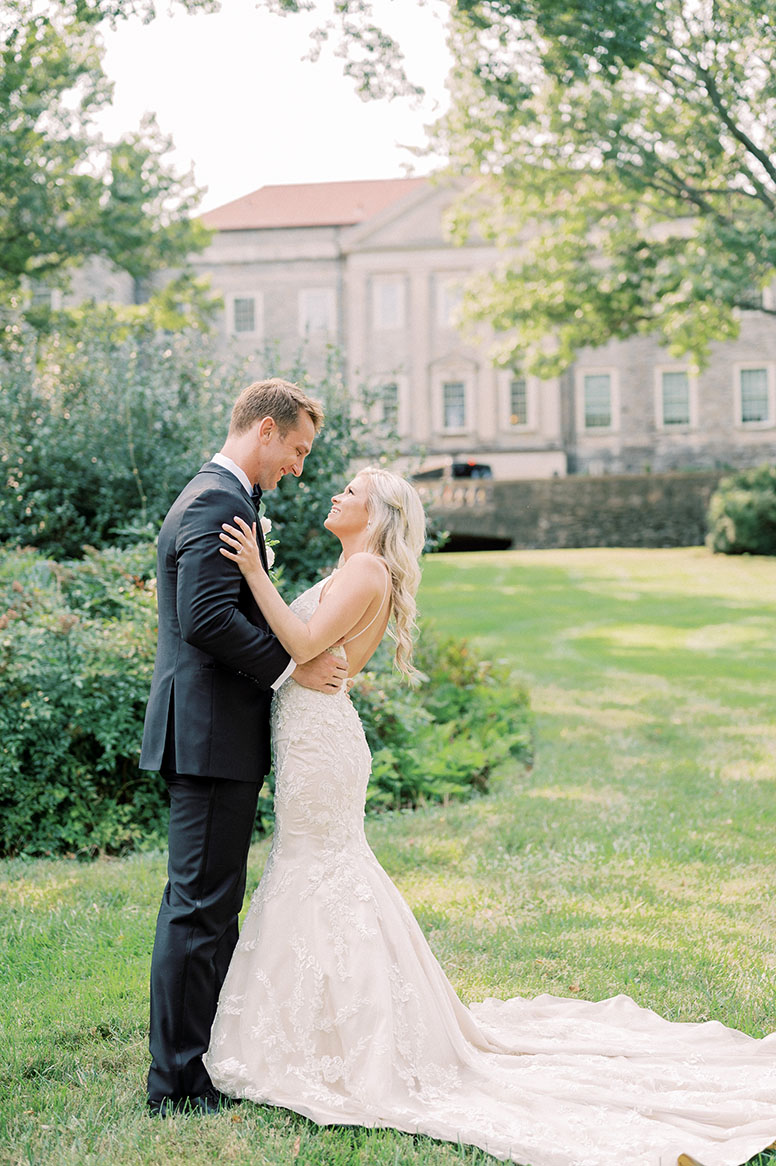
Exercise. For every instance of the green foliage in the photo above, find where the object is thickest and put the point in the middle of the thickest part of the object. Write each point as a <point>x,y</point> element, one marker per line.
<point>742,513</point>
<point>77,646</point>
<point>446,737</point>
<point>620,155</point>
<point>76,656</point>
<point>298,507</point>
<point>618,152</point>
<point>102,425</point>
<point>66,194</point>
<point>372,58</point>
<point>103,421</point>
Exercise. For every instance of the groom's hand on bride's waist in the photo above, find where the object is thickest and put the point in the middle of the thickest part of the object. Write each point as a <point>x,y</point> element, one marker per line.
<point>324,673</point>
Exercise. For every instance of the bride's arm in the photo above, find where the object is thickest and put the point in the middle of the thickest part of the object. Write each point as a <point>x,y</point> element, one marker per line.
<point>346,600</point>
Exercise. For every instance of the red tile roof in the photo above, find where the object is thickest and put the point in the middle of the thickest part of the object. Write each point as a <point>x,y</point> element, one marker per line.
<point>310,204</point>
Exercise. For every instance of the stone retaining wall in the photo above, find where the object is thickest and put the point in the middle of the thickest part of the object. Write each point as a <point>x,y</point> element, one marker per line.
<point>625,510</point>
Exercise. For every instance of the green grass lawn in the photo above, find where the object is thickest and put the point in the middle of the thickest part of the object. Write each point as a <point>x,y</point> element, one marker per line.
<point>637,856</point>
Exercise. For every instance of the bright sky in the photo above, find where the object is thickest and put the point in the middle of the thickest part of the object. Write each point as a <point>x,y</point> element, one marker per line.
<point>246,110</point>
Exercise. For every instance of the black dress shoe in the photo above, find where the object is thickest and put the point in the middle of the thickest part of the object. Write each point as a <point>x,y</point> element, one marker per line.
<point>206,1105</point>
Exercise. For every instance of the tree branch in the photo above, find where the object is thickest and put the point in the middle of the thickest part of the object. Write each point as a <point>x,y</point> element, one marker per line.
<point>666,72</point>
<point>750,146</point>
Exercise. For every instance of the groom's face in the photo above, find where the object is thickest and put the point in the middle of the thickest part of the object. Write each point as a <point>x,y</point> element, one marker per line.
<point>283,453</point>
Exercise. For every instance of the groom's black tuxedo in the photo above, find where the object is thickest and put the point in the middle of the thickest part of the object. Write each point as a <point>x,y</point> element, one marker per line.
<point>208,712</point>
<point>207,730</point>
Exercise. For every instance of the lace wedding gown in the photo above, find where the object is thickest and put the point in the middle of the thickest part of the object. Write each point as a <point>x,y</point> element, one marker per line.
<point>335,1007</point>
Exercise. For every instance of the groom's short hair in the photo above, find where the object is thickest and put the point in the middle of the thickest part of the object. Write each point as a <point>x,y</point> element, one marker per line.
<point>281,400</point>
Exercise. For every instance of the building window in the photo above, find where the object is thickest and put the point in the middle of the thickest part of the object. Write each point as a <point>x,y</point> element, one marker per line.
<point>597,400</point>
<point>389,405</point>
<point>387,304</point>
<point>244,314</point>
<point>448,300</point>
<point>389,399</point>
<point>316,310</point>
<point>518,401</point>
<point>752,299</point>
<point>453,405</point>
<point>42,296</point>
<point>755,396</point>
<point>675,398</point>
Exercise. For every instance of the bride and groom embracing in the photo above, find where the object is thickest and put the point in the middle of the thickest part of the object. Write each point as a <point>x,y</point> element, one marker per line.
<point>331,1003</point>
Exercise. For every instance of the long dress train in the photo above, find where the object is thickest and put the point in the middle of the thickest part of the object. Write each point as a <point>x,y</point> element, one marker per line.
<point>335,1007</point>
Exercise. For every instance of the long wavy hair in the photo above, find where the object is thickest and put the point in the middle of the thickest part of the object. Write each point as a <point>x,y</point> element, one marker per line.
<point>397,532</point>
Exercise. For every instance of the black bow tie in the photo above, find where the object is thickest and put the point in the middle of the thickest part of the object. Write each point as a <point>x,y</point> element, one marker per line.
<point>256,496</point>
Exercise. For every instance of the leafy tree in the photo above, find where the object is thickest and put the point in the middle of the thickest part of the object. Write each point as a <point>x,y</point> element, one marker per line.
<point>621,154</point>
<point>371,57</point>
<point>64,193</point>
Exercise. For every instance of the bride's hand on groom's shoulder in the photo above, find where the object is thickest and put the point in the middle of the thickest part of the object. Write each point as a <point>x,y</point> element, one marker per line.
<point>241,546</point>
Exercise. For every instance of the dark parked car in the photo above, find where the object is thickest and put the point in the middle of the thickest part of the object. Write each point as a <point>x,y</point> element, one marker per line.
<point>470,470</point>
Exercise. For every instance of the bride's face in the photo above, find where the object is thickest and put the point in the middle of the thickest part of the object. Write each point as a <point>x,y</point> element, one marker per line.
<point>349,514</point>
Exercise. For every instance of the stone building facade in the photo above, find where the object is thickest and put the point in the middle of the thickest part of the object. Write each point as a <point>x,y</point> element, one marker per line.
<point>652,413</point>
<point>367,266</point>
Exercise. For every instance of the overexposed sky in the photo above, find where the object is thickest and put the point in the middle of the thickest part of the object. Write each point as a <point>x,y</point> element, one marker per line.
<point>245,109</point>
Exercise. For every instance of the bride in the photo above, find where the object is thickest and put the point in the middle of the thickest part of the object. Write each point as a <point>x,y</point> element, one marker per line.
<point>334,1005</point>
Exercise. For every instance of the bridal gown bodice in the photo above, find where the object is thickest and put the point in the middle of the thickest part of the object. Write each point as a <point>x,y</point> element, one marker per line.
<point>335,1007</point>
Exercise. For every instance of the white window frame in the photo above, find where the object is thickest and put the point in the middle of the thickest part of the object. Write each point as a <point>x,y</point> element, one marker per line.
<point>770,371</point>
<point>258,314</point>
<point>692,399</point>
<point>458,382</point>
<point>453,376</point>
<point>55,298</point>
<point>402,385</point>
<point>330,299</point>
<point>399,284</point>
<point>531,399</point>
<point>614,389</point>
<point>444,284</point>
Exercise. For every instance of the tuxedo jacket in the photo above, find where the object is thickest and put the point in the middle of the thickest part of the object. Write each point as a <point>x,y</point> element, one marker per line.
<point>216,659</point>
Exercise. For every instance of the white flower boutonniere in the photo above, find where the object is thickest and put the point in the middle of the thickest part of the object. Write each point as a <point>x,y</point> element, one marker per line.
<point>269,544</point>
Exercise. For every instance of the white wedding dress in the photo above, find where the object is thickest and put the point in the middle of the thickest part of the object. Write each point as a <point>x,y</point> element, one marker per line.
<point>335,1007</point>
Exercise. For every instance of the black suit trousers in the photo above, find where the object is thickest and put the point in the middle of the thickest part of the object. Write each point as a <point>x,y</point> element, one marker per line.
<point>211,822</point>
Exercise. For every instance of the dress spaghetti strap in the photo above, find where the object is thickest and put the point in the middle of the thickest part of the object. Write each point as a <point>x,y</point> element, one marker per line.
<point>374,617</point>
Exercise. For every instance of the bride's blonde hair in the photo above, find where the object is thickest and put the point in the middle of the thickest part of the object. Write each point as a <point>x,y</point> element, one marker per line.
<point>397,532</point>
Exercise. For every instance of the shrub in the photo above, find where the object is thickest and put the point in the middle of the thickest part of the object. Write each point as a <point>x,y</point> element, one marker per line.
<point>77,645</point>
<point>742,513</point>
<point>76,656</point>
<point>101,427</point>
<point>445,738</point>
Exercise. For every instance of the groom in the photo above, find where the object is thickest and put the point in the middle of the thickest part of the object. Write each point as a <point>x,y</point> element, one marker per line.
<point>207,727</point>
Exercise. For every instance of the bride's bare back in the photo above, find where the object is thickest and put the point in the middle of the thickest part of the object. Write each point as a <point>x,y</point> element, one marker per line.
<point>363,639</point>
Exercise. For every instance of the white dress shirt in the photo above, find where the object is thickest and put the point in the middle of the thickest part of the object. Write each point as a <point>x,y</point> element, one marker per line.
<point>222,460</point>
